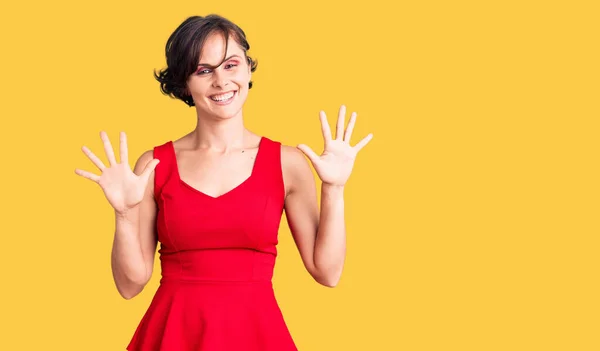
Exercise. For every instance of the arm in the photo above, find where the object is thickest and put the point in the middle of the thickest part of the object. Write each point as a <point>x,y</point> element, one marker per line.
<point>319,235</point>
<point>135,240</point>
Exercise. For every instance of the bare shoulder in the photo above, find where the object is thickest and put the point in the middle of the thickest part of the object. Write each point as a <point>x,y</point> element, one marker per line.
<point>140,166</point>
<point>291,156</point>
<point>293,160</point>
<point>295,166</point>
<point>142,161</point>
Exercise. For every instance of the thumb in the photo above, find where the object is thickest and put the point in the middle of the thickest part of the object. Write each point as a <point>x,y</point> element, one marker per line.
<point>149,169</point>
<point>314,158</point>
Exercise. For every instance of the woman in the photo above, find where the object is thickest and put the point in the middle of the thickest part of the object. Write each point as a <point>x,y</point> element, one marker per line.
<point>214,200</point>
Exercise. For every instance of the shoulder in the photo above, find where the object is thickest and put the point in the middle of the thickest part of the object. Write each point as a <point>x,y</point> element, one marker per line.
<point>159,152</point>
<point>292,157</point>
<point>295,167</point>
<point>143,160</point>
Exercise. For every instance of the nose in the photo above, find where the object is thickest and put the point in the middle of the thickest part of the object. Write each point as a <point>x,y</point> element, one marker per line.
<point>220,79</point>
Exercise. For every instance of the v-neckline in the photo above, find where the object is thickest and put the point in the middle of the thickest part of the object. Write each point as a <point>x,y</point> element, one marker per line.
<point>184,183</point>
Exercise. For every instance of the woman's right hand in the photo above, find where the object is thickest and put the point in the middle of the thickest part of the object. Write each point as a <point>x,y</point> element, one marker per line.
<point>123,188</point>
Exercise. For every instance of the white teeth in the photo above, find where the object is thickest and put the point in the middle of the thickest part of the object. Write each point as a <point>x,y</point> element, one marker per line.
<point>223,97</point>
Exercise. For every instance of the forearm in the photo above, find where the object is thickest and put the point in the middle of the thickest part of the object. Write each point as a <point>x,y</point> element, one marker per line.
<point>127,260</point>
<point>330,245</point>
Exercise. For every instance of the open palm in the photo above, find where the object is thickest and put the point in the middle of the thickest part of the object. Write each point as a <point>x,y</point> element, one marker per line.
<point>335,164</point>
<point>122,187</point>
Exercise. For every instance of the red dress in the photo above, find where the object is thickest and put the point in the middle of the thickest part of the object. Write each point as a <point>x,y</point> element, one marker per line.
<point>217,257</point>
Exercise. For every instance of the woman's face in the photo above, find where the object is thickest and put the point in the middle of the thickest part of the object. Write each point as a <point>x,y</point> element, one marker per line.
<point>219,89</point>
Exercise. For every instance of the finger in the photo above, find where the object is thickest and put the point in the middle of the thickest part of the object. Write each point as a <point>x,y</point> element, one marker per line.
<point>108,148</point>
<point>124,156</point>
<point>87,175</point>
<point>350,128</point>
<point>93,157</point>
<point>325,126</point>
<point>363,142</point>
<point>340,123</point>
<point>150,167</point>
<point>312,156</point>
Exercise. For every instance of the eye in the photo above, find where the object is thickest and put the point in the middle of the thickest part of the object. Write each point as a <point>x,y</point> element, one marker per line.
<point>230,65</point>
<point>203,71</point>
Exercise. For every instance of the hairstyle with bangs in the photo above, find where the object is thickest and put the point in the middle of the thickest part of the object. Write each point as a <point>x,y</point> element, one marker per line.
<point>183,48</point>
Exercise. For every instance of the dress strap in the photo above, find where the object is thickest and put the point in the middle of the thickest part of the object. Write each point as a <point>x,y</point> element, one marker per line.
<point>164,168</point>
<point>268,165</point>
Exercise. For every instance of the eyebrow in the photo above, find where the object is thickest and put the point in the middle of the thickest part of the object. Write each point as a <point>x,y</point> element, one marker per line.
<point>207,65</point>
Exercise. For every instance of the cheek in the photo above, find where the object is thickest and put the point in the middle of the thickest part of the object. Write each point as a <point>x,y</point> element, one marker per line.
<point>197,86</point>
<point>242,77</point>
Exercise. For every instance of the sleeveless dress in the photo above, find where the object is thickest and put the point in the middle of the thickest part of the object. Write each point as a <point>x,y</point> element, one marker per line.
<point>217,258</point>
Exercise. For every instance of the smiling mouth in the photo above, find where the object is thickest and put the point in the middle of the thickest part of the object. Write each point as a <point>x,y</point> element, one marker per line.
<point>223,97</point>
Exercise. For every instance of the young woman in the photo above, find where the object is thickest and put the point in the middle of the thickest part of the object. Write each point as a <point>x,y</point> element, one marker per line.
<point>214,199</point>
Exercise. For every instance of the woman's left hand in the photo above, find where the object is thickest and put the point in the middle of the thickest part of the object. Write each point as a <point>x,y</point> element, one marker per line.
<point>335,164</point>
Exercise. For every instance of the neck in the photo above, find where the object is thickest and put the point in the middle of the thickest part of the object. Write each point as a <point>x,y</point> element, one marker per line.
<point>220,135</point>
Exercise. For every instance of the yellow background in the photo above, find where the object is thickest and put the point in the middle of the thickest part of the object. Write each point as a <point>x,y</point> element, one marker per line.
<point>473,215</point>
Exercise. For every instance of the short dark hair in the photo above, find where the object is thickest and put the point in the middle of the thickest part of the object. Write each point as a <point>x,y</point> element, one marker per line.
<point>183,47</point>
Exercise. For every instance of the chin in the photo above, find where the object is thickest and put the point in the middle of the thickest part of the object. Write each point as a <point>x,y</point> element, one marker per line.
<point>225,112</point>
<point>227,115</point>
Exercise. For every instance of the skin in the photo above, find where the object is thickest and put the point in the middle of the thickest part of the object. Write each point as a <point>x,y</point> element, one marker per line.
<point>217,156</point>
